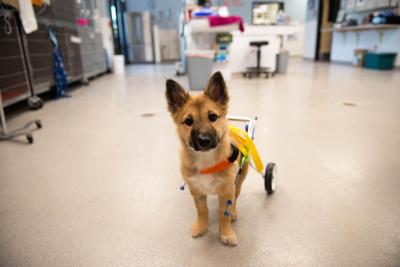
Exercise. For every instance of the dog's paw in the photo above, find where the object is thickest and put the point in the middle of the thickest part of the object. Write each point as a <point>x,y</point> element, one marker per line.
<point>199,228</point>
<point>228,237</point>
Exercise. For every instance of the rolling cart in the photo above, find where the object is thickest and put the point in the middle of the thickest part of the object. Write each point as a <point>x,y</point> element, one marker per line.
<point>26,130</point>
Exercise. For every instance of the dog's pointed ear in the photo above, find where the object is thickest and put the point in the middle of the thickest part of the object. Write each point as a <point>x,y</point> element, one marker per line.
<point>176,96</point>
<point>216,89</point>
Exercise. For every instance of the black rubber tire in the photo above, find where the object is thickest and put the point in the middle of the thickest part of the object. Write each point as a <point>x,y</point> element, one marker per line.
<point>269,179</point>
<point>35,103</point>
<point>38,124</point>
<point>29,137</point>
<point>85,81</point>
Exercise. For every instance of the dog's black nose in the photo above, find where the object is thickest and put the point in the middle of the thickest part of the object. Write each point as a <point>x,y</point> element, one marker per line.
<point>204,141</point>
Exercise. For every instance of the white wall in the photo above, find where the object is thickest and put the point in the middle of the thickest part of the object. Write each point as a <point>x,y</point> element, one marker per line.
<point>171,9</point>
<point>311,31</point>
<point>166,12</point>
<point>296,9</point>
<point>102,6</point>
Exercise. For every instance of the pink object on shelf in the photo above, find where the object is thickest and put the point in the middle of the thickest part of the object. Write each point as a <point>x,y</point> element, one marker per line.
<point>219,21</point>
<point>82,22</point>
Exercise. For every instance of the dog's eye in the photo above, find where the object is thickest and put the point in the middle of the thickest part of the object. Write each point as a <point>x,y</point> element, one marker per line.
<point>188,121</point>
<point>212,117</point>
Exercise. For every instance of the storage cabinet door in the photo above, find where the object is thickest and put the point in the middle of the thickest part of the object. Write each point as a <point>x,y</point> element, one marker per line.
<point>70,53</point>
<point>14,84</point>
<point>40,53</point>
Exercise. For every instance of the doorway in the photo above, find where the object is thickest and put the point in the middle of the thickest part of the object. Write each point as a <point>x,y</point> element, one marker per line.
<point>117,11</point>
<point>327,13</point>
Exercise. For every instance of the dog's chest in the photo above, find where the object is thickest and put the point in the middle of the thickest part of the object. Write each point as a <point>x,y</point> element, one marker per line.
<point>206,183</point>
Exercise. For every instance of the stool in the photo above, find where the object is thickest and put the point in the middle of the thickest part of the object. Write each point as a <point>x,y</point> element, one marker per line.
<point>258,70</point>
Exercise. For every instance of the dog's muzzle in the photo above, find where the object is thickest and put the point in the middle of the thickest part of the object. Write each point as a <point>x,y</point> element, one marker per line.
<point>203,141</point>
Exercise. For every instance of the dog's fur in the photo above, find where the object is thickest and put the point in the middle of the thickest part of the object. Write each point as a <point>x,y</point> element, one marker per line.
<point>214,100</point>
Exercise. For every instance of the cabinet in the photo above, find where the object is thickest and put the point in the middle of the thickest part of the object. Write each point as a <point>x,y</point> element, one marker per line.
<point>14,82</point>
<point>40,58</point>
<point>31,55</point>
<point>70,52</point>
<point>91,49</point>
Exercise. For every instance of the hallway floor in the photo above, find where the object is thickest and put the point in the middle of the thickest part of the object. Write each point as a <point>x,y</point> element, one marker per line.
<point>100,186</point>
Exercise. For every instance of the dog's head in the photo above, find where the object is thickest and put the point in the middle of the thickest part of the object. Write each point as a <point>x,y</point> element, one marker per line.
<point>200,119</point>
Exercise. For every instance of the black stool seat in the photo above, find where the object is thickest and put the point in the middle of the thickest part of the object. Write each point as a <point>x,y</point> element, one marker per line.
<point>259,43</point>
<point>258,69</point>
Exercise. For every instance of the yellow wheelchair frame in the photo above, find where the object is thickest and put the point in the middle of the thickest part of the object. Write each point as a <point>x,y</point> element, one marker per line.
<point>243,140</point>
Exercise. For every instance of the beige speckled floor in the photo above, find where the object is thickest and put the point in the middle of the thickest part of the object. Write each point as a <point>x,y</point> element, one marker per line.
<point>100,185</point>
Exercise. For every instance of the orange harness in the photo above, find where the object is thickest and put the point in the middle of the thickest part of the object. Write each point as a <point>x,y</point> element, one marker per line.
<point>224,164</point>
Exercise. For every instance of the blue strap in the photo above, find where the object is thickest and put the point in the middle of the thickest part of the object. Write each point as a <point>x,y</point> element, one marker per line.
<point>60,75</point>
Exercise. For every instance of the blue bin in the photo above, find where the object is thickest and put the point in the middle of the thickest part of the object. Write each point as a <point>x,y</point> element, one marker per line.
<point>379,61</point>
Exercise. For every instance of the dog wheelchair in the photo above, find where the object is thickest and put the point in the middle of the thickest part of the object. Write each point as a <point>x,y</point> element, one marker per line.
<point>243,140</point>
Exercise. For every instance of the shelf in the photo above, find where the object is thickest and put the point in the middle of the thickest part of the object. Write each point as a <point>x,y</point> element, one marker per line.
<point>370,8</point>
<point>367,27</point>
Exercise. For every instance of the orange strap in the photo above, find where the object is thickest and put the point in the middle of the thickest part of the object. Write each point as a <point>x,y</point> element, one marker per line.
<point>223,165</point>
<point>38,2</point>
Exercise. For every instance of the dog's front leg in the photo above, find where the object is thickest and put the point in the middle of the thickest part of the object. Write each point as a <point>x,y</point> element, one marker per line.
<point>200,226</point>
<point>228,236</point>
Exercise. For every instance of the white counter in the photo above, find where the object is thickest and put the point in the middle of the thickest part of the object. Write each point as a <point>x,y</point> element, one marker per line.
<point>241,54</point>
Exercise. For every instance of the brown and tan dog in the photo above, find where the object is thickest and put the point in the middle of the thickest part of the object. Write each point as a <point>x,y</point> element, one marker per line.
<point>205,141</point>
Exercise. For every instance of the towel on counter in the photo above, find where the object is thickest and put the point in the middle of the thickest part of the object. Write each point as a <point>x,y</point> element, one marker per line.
<point>219,21</point>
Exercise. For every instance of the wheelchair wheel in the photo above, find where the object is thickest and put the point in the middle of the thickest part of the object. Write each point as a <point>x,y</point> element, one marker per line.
<point>29,138</point>
<point>38,124</point>
<point>270,178</point>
